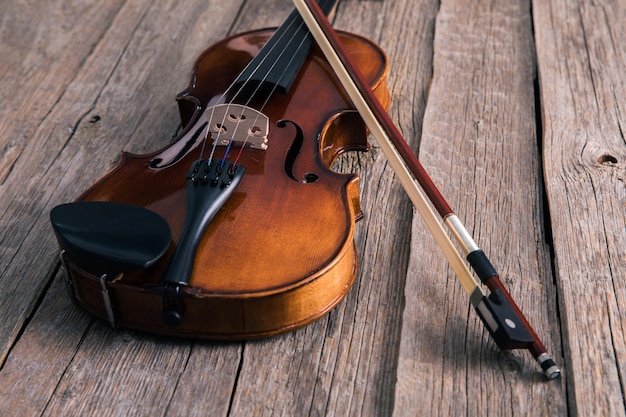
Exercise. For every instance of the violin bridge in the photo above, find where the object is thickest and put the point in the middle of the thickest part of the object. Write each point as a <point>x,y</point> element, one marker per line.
<point>241,125</point>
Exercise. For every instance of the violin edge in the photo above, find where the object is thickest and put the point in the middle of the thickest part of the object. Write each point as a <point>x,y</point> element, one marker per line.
<point>214,316</point>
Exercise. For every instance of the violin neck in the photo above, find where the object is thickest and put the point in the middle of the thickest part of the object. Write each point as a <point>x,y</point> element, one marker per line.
<point>279,62</point>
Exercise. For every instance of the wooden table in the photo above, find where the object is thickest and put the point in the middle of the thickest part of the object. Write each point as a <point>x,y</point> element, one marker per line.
<point>516,109</point>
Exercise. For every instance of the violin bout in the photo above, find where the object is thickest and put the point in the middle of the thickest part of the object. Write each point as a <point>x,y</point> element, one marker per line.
<point>275,253</point>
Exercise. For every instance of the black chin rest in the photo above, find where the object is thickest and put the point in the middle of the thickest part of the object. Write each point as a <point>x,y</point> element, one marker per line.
<point>108,238</point>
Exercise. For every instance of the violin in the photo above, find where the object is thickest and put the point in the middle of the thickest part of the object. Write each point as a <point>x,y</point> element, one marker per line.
<point>238,228</point>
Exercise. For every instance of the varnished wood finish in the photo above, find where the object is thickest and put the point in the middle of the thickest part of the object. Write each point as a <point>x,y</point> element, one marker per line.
<point>280,253</point>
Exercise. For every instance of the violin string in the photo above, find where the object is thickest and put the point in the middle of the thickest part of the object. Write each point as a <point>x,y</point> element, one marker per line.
<point>257,89</point>
<point>268,97</point>
<point>251,96</point>
<point>235,95</point>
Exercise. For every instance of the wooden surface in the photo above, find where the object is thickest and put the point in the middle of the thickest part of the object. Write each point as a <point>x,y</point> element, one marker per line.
<point>518,111</point>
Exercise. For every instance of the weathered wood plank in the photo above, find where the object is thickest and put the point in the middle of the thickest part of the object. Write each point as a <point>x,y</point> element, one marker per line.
<point>581,61</point>
<point>42,354</point>
<point>117,373</point>
<point>124,61</point>
<point>479,144</point>
<point>147,49</point>
<point>33,178</point>
<point>210,374</point>
<point>43,47</point>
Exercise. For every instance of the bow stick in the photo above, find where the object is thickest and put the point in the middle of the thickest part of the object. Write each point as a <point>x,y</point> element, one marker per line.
<point>504,320</point>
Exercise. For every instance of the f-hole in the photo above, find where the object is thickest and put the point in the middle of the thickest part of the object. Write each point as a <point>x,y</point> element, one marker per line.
<point>292,154</point>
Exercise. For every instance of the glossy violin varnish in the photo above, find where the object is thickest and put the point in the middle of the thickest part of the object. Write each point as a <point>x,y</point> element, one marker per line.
<point>261,252</point>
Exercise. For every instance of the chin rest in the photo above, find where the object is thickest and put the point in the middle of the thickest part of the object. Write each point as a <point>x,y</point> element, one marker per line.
<point>108,238</point>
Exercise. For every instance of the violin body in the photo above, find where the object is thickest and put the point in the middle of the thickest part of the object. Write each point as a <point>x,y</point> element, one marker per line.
<point>280,252</point>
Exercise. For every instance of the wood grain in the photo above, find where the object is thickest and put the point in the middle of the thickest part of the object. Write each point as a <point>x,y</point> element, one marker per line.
<point>42,354</point>
<point>32,179</point>
<point>82,81</point>
<point>35,72</point>
<point>479,144</point>
<point>127,65</point>
<point>581,62</point>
